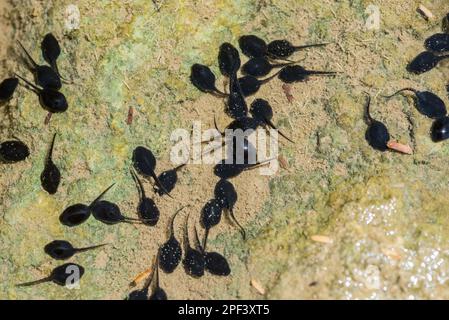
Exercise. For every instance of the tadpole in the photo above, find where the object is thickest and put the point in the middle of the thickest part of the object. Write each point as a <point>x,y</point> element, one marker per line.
<point>50,176</point>
<point>170,253</point>
<point>60,275</point>
<point>62,250</point>
<point>76,214</point>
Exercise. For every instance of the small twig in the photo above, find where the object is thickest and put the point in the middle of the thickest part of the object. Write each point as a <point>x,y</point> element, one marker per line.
<point>428,15</point>
<point>129,119</point>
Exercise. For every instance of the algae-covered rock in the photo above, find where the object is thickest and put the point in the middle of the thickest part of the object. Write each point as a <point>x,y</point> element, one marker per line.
<point>339,221</point>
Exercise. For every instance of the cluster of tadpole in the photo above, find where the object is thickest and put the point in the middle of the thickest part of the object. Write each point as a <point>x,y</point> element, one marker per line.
<point>426,102</point>
<point>194,256</point>
<point>47,83</point>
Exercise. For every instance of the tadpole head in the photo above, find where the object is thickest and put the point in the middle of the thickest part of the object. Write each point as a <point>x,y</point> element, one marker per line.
<point>144,161</point>
<point>12,151</point>
<point>440,129</point>
<point>50,178</point>
<point>59,249</point>
<point>75,215</point>
<point>50,48</point>
<point>280,49</point>
<point>211,213</point>
<point>377,136</point>
<point>257,67</point>
<point>53,101</point>
<point>107,212</point>
<point>423,62</point>
<point>61,274</point>
<point>216,264</point>
<point>148,212</point>
<point>225,193</point>
<point>170,254</point>
<point>252,46</point>
<point>7,88</point>
<point>202,78</point>
<point>228,59</point>
<point>47,78</point>
<point>261,109</point>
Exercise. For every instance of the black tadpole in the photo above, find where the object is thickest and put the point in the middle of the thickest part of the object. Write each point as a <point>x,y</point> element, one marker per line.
<point>226,194</point>
<point>144,162</point>
<point>13,151</point>
<point>193,261</point>
<point>60,275</point>
<point>440,129</point>
<point>51,50</point>
<point>281,49</point>
<point>261,110</point>
<point>147,210</point>
<point>424,62</point>
<point>170,253</point>
<point>438,43</point>
<point>295,73</point>
<point>211,215</point>
<point>250,84</point>
<point>168,180</point>
<point>377,133</point>
<point>110,213</point>
<point>44,75</point>
<point>427,103</point>
<point>260,67</point>
<point>50,99</point>
<point>204,80</point>
<point>76,214</point>
<point>50,176</point>
<point>228,59</point>
<point>7,89</point>
<point>215,263</point>
<point>252,46</point>
<point>62,250</point>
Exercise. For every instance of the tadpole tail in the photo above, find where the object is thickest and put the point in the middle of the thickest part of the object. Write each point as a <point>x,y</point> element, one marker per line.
<point>186,234</point>
<point>263,81</point>
<point>285,64</point>
<point>32,283</point>
<point>91,247</point>
<point>159,184</point>
<point>156,266</point>
<point>206,235</point>
<point>367,107</point>
<point>180,166</point>
<point>102,194</point>
<point>219,93</point>
<point>399,91</point>
<point>54,66</point>
<point>33,88</point>
<point>271,124</point>
<point>312,45</point>
<point>198,245</point>
<point>35,65</point>
<point>321,73</point>
<point>216,126</point>
<point>242,230</point>
<point>138,183</point>
<point>128,221</point>
<point>50,150</point>
<point>259,164</point>
<point>172,222</point>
